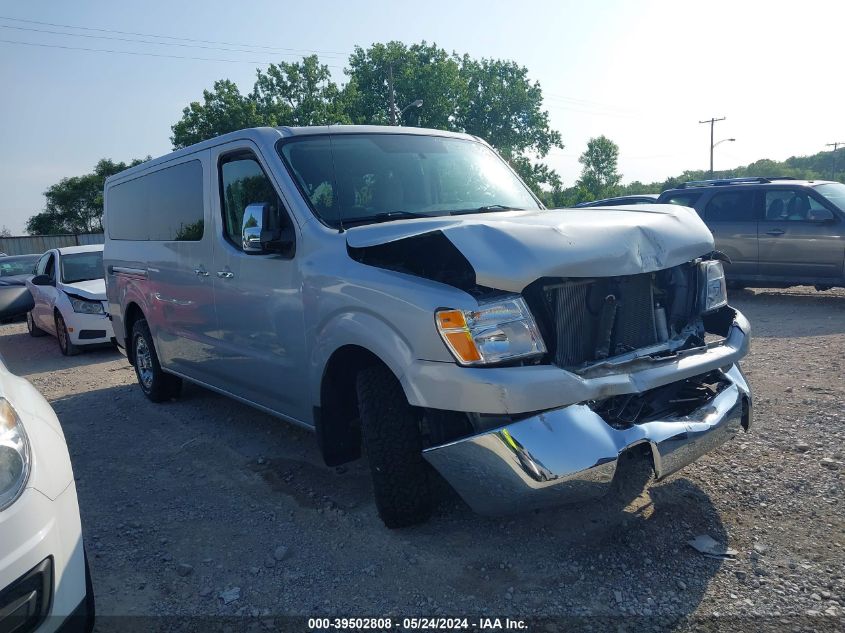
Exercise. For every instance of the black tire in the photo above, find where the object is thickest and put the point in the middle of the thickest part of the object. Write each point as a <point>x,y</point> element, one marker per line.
<point>391,434</point>
<point>157,385</point>
<point>33,329</point>
<point>68,348</point>
<point>90,608</point>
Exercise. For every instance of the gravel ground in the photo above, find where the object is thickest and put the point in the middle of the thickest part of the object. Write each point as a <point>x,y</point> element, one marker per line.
<point>205,507</point>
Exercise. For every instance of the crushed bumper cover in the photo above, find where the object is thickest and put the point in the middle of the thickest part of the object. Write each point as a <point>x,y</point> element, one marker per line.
<point>571,454</point>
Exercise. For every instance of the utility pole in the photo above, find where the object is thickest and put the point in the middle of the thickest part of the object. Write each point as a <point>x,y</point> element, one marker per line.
<point>712,122</point>
<point>391,95</point>
<point>835,147</point>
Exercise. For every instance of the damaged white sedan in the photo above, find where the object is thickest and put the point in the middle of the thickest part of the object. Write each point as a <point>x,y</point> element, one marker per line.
<point>403,291</point>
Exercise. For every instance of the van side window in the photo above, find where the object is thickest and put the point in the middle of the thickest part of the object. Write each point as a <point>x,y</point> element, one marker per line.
<point>164,205</point>
<point>731,206</point>
<point>41,266</point>
<point>243,183</point>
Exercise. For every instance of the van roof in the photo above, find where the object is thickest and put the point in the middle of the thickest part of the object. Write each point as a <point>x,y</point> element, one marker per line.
<point>262,135</point>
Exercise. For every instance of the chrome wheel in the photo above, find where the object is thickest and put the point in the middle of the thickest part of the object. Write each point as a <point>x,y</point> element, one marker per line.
<point>29,322</point>
<point>143,362</point>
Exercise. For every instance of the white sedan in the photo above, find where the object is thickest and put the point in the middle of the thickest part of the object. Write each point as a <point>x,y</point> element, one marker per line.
<point>69,296</point>
<point>44,578</point>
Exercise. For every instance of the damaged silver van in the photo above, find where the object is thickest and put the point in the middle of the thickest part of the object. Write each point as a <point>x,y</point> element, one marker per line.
<point>400,291</point>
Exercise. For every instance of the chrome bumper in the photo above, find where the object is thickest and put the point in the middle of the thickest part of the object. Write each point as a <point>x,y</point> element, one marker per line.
<point>571,454</point>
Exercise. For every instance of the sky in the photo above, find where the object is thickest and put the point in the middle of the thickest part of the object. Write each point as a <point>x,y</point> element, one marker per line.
<point>643,73</point>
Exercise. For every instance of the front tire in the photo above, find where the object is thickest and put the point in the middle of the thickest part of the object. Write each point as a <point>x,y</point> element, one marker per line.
<point>63,336</point>
<point>391,433</point>
<point>157,385</point>
<point>33,329</point>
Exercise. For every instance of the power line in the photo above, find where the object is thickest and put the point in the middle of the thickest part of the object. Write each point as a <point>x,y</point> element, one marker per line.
<point>135,40</point>
<point>170,37</point>
<point>143,54</point>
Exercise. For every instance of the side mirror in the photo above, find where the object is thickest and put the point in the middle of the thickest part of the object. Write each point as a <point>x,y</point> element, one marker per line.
<point>41,280</point>
<point>257,238</point>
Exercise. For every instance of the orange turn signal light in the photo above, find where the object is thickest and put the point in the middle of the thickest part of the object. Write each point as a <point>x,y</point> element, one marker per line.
<point>453,328</point>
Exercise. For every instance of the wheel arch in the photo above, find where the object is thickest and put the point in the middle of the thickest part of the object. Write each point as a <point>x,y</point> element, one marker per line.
<point>336,417</point>
<point>132,313</point>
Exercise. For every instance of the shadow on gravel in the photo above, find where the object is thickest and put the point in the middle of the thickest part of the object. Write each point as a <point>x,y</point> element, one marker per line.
<point>25,355</point>
<point>791,314</point>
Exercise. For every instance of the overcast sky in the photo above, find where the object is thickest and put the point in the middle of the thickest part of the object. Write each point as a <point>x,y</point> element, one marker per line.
<point>642,73</point>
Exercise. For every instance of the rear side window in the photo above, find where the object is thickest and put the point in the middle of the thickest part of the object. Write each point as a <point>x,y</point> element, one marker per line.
<point>684,199</point>
<point>730,206</point>
<point>166,205</point>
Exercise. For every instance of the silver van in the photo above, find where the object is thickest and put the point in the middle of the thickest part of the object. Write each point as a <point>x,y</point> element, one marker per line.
<point>401,291</point>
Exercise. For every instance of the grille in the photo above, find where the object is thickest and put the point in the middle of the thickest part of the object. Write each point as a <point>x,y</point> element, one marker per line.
<point>595,318</point>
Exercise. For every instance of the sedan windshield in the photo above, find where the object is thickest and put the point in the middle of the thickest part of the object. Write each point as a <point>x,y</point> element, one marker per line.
<point>361,178</point>
<point>835,192</point>
<point>82,267</point>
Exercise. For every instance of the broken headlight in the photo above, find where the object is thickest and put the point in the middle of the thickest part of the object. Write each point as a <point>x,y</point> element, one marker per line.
<point>498,331</point>
<point>714,293</point>
<point>14,455</point>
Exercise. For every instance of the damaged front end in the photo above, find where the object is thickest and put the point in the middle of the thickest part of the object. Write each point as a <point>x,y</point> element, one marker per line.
<point>644,361</point>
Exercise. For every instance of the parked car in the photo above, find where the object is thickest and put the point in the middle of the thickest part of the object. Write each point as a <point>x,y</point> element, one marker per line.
<point>69,294</point>
<point>405,291</point>
<point>643,198</point>
<point>45,584</point>
<point>778,232</point>
<point>15,298</point>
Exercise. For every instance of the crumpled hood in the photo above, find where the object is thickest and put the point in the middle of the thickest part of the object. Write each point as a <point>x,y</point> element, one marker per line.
<point>94,289</point>
<point>510,250</point>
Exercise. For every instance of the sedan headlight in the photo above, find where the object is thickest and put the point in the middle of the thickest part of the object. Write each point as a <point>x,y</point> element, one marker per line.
<point>15,458</point>
<point>714,293</point>
<point>86,307</point>
<point>497,331</point>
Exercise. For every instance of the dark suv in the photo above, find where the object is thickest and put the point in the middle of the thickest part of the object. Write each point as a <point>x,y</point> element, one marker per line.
<point>778,232</point>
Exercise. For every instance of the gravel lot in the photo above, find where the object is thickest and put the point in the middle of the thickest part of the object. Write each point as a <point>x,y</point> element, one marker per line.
<point>204,506</point>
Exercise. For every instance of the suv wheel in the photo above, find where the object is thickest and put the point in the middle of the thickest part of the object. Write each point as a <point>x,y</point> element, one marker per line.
<point>157,385</point>
<point>62,335</point>
<point>393,443</point>
<point>33,329</point>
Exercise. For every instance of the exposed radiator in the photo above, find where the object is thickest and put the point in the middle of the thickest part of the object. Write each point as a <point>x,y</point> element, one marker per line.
<point>576,309</point>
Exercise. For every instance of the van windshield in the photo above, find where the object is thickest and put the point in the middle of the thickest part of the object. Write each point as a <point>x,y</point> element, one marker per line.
<point>82,267</point>
<point>362,178</point>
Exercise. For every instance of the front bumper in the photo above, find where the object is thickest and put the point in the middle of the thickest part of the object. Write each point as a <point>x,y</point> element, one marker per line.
<point>33,530</point>
<point>571,454</point>
<point>89,329</point>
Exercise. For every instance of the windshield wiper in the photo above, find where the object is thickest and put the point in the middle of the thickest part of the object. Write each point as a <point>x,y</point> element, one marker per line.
<point>487,207</point>
<point>382,217</point>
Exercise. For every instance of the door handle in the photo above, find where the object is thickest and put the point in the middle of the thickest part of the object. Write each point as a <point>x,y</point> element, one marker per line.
<point>201,272</point>
<point>775,232</point>
<point>225,274</point>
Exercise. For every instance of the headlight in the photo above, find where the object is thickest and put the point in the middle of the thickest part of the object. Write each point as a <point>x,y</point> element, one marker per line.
<point>714,293</point>
<point>86,307</point>
<point>15,457</point>
<point>498,331</point>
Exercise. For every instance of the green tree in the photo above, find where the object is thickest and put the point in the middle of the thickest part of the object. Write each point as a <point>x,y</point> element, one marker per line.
<point>298,93</point>
<point>599,177</point>
<point>420,71</point>
<point>75,204</point>
<point>224,109</point>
